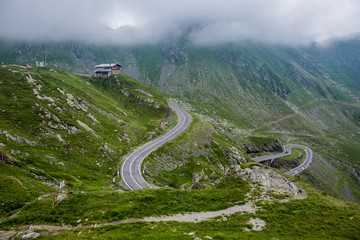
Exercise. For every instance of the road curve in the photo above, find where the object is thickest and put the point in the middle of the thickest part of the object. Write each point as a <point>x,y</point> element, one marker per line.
<point>298,169</point>
<point>131,174</point>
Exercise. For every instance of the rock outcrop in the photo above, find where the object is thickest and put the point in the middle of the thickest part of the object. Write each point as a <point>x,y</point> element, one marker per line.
<point>17,139</point>
<point>266,147</point>
<point>270,180</point>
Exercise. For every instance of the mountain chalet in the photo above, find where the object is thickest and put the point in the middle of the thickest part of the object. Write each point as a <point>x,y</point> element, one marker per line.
<point>105,70</point>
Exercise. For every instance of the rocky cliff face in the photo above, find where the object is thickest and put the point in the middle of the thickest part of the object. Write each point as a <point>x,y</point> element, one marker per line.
<point>266,147</point>
<point>284,164</point>
<point>270,180</point>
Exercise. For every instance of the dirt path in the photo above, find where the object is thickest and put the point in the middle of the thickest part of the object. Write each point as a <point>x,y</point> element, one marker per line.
<point>189,217</point>
<point>249,207</point>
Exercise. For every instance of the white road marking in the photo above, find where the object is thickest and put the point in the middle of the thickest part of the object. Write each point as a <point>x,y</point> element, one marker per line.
<point>134,173</point>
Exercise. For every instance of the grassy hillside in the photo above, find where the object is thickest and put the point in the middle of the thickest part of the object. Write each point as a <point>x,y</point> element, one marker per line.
<point>293,220</point>
<point>57,126</point>
<point>316,217</point>
<point>296,95</point>
<point>197,159</point>
<point>306,95</point>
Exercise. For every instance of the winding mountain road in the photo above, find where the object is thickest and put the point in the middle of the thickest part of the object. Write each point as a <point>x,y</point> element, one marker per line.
<point>298,169</point>
<point>131,174</point>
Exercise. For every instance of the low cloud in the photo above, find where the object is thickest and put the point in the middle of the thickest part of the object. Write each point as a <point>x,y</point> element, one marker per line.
<point>205,22</point>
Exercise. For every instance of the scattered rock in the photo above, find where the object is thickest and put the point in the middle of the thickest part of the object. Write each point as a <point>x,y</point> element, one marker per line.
<point>87,128</point>
<point>37,88</point>
<point>72,102</point>
<point>236,158</point>
<point>122,111</point>
<point>257,224</point>
<point>30,80</point>
<point>124,93</point>
<point>61,197</point>
<point>143,92</point>
<point>147,100</point>
<point>44,97</point>
<point>17,139</point>
<point>95,121</point>
<point>30,234</point>
<point>72,129</point>
<point>59,138</point>
<point>126,137</point>
<point>61,91</point>
<point>213,175</point>
<point>5,235</point>
<point>108,149</point>
<point>43,196</point>
<point>197,177</point>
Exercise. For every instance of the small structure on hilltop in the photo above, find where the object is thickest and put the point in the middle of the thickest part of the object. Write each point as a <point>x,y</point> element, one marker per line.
<point>107,69</point>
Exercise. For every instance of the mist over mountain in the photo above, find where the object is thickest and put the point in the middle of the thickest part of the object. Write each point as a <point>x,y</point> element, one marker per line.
<point>292,22</point>
<point>303,94</point>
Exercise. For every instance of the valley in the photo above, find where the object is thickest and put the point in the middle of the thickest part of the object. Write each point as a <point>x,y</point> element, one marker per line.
<point>191,120</point>
<point>245,101</point>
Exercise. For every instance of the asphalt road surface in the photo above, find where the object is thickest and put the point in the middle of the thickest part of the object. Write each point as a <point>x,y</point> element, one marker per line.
<point>287,151</point>
<point>131,173</point>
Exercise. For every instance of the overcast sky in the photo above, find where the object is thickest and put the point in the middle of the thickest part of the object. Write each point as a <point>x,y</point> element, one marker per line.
<point>206,22</point>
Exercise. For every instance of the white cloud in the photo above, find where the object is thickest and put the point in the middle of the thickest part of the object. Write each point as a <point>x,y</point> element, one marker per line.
<point>211,22</point>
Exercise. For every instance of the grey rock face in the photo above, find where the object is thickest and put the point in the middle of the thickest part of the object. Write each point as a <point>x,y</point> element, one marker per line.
<point>17,139</point>
<point>197,177</point>
<point>269,179</point>
<point>30,234</point>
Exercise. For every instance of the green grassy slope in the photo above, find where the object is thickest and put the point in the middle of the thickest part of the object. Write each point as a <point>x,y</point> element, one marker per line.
<point>197,159</point>
<point>301,95</point>
<point>294,220</point>
<point>57,126</point>
<point>291,94</point>
<point>316,217</point>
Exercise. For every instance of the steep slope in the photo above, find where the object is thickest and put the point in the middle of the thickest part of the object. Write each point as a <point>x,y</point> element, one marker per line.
<point>301,95</point>
<point>56,126</point>
<point>292,94</point>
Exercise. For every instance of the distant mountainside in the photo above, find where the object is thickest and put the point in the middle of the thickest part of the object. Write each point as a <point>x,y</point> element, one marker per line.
<point>307,95</point>
<point>62,138</point>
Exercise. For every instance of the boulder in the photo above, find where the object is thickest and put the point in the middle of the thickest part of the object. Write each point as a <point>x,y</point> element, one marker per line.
<point>269,179</point>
